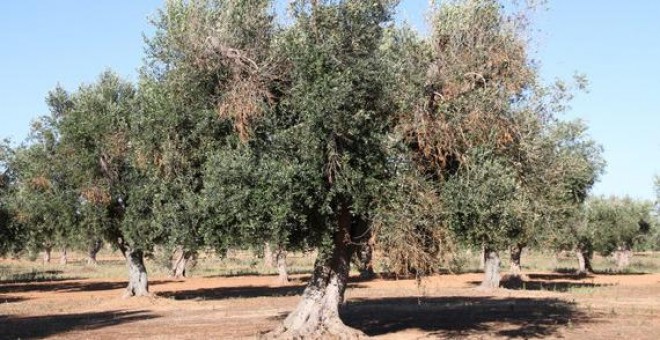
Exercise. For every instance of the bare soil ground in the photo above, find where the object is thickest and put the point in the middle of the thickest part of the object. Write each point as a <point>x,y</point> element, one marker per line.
<point>546,305</point>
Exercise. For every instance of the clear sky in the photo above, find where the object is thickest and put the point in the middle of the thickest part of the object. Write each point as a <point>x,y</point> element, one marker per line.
<point>616,44</point>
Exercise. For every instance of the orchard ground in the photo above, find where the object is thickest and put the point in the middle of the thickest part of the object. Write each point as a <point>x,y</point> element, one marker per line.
<point>236,298</point>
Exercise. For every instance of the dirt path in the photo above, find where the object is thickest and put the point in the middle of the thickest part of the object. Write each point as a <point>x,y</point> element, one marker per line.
<point>549,306</point>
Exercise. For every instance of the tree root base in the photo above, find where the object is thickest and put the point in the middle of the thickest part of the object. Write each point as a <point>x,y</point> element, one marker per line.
<point>128,295</point>
<point>335,332</point>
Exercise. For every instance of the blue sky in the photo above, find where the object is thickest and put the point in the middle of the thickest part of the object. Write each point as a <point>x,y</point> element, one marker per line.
<point>616,44</point>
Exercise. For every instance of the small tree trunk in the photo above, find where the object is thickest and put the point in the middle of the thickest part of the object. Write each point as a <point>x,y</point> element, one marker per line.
<point>516,253</point>
<point>182,263</point>
<point>584,262</point>
<point>47,251</point>
<point>268,256</point>
<point>482,263</point>
<point>317,314</point>
<point>283,275</point>
<point>367,258</point>
<point>138,284</point>
<point>63,256</point>
<point>555,260</point>
<point>491,270</point>
<point>92,251</point>
<point>622,256</point>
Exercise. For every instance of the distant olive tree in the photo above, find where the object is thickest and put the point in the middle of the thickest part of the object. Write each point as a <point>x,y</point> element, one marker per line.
<point>617,225</point>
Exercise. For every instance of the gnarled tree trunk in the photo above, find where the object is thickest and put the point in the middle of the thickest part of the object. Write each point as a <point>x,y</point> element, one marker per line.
<point>63,256</point>
<point>282,272</point>
<point>47,251</point>
<point>367,262</point>
<point>622,257</point>
<point>584,262</point>
<point>367,241</point>
<point>138,285</point>
<point>182,262</point>
<point>317,314</point>
<point>268,256</point>
<point>516,253</point>
<point>491,270</point>
<point>92,251</point>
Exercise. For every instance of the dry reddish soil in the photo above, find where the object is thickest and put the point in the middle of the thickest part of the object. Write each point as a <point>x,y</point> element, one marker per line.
<point>448,306</point>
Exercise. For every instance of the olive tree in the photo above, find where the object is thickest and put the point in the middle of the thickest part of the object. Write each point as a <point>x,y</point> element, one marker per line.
<point>43,200</point>
<point>12,236</point>
<point>314,155</point>
<point>467,121</point>
<point>577,167</point>
<point>112,196</point>
<point>617,224</point>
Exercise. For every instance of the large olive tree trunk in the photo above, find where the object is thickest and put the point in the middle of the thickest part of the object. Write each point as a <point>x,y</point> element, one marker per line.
<point>138,285</point>
<point>92,251</point>
<point>516,253</point>
<point>282,271</point>
<point>491,270</point>
<point>317,314</point>
<point>584,261</point>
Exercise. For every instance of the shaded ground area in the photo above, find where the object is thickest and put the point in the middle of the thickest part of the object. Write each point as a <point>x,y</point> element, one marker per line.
<point>460,316</point>
<point>44,326</point>
<point>66,285</point>
<point>548,305</point>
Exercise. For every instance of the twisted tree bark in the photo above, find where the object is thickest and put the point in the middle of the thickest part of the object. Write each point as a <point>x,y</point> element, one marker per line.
<point>138,284</point>
<point>47,251</point>
<point>516,253</point>
<point>282,271</point>
<point>491,270</point>
<point>268,256</point>
<point>584,261</point>
<point>367,241</point>
<point>92,251</point>
<point>63,256</point>
<point>317,314</point>
<point>184,259</point>
<point>622,256</point>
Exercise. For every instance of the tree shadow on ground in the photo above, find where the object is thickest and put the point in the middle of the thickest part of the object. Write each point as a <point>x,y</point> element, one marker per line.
<point>70,285</point>
<point>15,327</point>
<point>463,316</point>
<point>35,276</point>
<point>615,272</point>
<point>221,293</point>
<point>558,276</point>
<point>11,299</point>
<point>552,286</point>
<point>544,282</point>
<point>608,271</point>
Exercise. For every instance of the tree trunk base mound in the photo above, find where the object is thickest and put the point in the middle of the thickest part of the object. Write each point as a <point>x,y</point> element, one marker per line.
<point>327,330</point>
<point>317,314</point>
<point>130,295</point>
